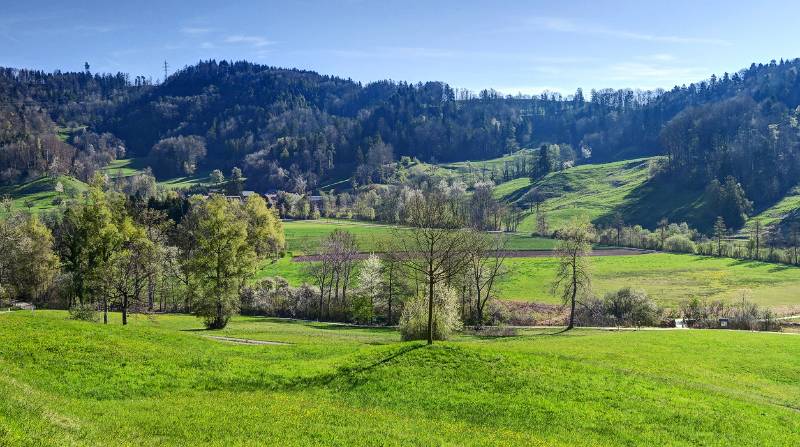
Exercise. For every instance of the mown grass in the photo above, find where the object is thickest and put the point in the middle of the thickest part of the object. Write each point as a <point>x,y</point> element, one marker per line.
<point>159,381</point>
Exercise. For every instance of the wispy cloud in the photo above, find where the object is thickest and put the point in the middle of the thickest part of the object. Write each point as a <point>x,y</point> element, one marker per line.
<point>195,30</point>
<point>94,28</point>
<point>394,52</point>
<point>565,25</point>
<point>254,41</point>
<point>647,75</point>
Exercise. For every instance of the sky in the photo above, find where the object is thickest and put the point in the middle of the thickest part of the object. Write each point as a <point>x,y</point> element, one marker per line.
<point>511,46</point>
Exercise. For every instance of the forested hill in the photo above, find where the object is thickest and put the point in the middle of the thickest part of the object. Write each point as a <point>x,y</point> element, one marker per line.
<point>289,127</point>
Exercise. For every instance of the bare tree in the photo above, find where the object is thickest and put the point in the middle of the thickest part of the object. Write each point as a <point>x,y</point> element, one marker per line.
<point>392,264</point>
<point>333,271</point>
<point>484,265</point>
<point>436,245</point>
<point>573,277</point>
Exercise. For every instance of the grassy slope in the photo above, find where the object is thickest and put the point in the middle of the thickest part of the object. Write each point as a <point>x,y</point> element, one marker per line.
<point>598,191</point>
<point>39,194</point>
<point>130,166</point>
<point>591,191</point>
<point>158,382</point>
<point>776,213</point>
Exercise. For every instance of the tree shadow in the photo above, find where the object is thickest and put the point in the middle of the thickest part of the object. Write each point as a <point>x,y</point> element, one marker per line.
<point>352,375</point>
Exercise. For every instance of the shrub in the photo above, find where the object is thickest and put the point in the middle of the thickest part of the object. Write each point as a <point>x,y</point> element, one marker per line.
<point>625,307</point>
<point>744,314</point>
<point>83,312</point>
<point>414,319</point>
<point>679,243</point>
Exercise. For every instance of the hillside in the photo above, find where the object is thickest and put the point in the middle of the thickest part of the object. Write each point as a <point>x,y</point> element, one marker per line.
<point>163,381</point>
<point>41,194</point>
<point>291,129</point>
<point>599,191</point>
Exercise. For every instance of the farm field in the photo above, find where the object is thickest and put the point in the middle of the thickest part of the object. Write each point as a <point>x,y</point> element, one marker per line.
<point>667,278</point>
<point>162,381</point>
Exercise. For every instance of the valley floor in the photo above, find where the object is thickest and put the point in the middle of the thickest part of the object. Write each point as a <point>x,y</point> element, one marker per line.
<point>162,381</point>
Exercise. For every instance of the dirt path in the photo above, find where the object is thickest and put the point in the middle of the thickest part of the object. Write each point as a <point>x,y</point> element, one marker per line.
<point>516,254</point>
<point>245,341</point>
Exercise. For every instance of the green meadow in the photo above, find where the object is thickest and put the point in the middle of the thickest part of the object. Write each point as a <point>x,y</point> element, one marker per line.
<point>40,195</point>
<point>131,166</point>
<point>667,278</point>
<point>161,381</point>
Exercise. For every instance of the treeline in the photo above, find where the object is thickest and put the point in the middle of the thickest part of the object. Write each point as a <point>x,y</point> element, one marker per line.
<point>391,202</point>
<point>759,242</point>
<point>109,251</point>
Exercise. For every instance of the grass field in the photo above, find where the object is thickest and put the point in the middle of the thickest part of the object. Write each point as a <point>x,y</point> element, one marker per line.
<point>39,195</point>
<point>160,382</point>
<point>667,278</point>
<point>304,236</point>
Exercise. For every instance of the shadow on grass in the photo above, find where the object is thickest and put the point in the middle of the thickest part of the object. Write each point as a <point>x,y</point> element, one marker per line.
<point>352,375</point>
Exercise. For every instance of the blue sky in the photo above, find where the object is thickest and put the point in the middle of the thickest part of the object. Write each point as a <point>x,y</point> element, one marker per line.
<point>512,46</point>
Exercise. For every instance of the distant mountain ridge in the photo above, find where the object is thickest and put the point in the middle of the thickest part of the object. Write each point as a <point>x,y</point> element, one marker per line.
<point>290,129</point>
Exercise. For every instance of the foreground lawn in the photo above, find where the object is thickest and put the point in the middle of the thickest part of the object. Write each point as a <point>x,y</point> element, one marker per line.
<point>161,381</point>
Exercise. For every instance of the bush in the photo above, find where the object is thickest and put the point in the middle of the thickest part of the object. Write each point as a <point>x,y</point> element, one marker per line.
<point>743,314</point>
<point>83,312</point>
<point>414,319</point>
<point>625,307</point>
<point>679,243</point>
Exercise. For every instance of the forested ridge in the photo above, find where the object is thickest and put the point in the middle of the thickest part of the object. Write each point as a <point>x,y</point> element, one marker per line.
<point>733,135</point>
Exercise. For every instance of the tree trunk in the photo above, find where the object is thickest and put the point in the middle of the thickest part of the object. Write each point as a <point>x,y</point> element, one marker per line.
<point>124,310</point>
<point>389,319</point>
<point>430,306</point>
<point>105,311</point>
<point>574,292</point>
